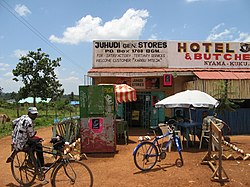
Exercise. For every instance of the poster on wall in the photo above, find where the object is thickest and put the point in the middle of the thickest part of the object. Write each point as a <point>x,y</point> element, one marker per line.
<point>138,83</point>
<point>152,83</point>
<point>96,124</point>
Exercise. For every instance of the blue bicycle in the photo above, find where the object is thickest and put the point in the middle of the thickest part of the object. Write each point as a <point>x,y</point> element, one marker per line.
<point>147,152</point>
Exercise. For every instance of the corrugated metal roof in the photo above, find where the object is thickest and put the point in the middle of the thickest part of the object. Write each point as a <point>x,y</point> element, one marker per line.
<point>214,73</point>
<point>244,75</point>
<point>222,75</point>
<point>131,72</point>
<point>109,69</point>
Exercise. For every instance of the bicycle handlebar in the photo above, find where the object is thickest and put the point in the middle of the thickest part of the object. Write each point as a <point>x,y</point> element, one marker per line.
<point>58,142</point>
<point>172,124</point>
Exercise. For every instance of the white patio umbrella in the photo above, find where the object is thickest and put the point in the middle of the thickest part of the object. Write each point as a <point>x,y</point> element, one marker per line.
<point>188,99</point>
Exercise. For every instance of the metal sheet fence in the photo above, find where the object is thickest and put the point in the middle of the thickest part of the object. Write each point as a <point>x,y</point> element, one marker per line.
<point>239,121</point>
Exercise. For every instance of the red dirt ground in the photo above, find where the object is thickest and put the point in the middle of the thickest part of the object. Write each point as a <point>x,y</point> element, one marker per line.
<point>119,170</point>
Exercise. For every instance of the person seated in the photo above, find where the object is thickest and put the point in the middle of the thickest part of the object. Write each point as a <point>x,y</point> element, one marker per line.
<point>218,122</point>
<point>24,135</point>
<point>178,116</point>
<point>206,120</point>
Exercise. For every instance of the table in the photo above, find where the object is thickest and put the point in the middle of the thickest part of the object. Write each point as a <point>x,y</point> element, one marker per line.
<point>187,127</point>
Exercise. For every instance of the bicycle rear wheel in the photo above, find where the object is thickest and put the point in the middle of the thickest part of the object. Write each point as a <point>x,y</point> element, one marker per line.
<point>146,155</point>
<point>23,168</point>
<point>72,173</point>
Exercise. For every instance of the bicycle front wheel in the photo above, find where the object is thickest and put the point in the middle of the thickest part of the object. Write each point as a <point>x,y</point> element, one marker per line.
<point>146,155</point>
<point>23,168</point>
<point>72,173</point>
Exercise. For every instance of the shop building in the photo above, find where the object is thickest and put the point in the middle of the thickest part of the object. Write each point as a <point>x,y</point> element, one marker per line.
<point>157,69</point>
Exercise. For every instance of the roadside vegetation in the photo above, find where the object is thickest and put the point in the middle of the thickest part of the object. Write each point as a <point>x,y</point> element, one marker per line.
<point>48,113</point>
<point>37,73</point>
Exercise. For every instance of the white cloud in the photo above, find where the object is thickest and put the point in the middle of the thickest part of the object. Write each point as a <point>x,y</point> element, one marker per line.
<point>70,84</point>
<point>22,10</point>
<point>192,1</point>
<point>19,53</point>
<point>89,28</point>
<point>8,74</point>
<point>73,73</point>
<point>245,37</point>
<point>185,26</point>
<point>153,37</point>
<point>9,85</point>
<point>69,79</point>
<point>221,33</point>
<point>3,66</point>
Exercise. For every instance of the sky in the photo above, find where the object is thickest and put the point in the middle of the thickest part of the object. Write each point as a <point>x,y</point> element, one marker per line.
<point>66,29</point>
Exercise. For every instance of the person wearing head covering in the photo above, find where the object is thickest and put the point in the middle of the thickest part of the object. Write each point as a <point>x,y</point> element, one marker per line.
<point>207,119</point>
<point>24,134</point>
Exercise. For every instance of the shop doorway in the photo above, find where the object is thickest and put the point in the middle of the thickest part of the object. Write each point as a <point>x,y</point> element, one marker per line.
<point>142,112</point>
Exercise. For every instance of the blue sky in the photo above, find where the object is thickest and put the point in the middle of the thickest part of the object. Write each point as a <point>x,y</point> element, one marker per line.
<point>66,29</point>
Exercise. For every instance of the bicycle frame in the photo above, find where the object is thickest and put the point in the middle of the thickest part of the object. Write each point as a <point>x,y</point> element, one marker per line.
<point>157,138</point>
<point>146,150</point>
<point>29,168</point>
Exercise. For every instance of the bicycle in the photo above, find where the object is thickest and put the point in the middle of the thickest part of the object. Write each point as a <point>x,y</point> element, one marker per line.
<point>25,167</point>
<point>147,152</point>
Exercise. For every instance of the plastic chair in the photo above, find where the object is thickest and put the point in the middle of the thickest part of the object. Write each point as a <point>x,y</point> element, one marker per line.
<point>205,134</point>
<point>164,129</point>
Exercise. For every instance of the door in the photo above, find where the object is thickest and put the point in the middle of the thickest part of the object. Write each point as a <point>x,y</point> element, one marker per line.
<point>157,114</point>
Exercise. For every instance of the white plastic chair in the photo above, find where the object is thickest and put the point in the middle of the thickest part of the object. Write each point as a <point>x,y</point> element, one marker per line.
<point>164,129</point>
<point>205,134</point>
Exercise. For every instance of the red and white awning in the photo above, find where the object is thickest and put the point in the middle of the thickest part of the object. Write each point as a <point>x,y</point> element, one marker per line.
<point>124,93</point>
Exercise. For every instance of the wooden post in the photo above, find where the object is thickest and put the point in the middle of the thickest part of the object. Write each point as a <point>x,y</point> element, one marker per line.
<point>216,140</point>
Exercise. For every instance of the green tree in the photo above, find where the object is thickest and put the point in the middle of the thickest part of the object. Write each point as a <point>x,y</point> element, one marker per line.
<point>226,104</point>
<point>37,72</point>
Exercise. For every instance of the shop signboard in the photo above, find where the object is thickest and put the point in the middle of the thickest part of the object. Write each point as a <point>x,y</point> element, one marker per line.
<point>138,83</point>
<point>129,53</point>
<point>170,54</point>
<point>194,54</point>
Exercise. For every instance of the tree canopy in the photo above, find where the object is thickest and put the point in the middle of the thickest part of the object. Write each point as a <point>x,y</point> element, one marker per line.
<point>37,72</point>
<point>226,104</point>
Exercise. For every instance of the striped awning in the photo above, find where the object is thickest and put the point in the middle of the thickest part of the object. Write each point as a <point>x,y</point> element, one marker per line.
<point>124,93</point>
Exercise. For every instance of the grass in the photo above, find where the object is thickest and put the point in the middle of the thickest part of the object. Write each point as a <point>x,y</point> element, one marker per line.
<point>44,118</point>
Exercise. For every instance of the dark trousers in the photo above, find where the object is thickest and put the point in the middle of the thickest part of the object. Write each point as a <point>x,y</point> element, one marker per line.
<point>35,143</point>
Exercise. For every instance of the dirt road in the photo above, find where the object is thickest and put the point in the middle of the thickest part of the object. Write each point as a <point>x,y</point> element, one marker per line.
<point>118,169</point>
